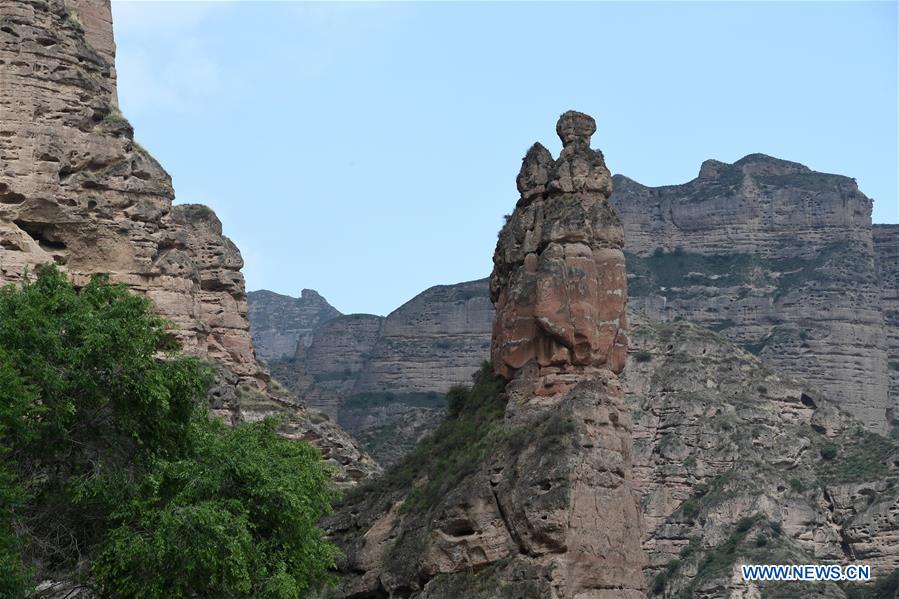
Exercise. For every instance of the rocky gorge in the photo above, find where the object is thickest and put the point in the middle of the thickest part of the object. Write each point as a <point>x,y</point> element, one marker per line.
<point>681,379</point>
<point>737,457</point>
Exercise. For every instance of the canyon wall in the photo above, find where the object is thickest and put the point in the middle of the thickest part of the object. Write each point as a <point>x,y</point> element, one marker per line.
<point>781,259</point>
<point>738,463</point>
<point>886,260</point>
<point>383,378</point>
<point>280,322</point>
<point>776,257</point>
<point>77,190</point>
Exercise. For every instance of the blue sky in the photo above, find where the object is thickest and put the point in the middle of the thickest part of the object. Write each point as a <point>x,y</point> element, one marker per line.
<point>369,150</point>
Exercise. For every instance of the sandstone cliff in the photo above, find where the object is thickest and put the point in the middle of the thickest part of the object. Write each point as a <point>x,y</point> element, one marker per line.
<point>77,190</point>
<point>279,323</point>
<point>775,256</point>
<point>737,463</point>
<point>886,260</point>
<point>383,378</point>
<point>781,259</point>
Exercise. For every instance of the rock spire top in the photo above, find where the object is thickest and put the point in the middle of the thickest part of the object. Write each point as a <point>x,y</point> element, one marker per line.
<point>575,128</point>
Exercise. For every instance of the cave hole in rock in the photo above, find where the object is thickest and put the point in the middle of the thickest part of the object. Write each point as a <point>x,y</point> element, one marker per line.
<point>42,234</point>
<point>8,196</point>
<point>807,401</point>
<point>459,528</point>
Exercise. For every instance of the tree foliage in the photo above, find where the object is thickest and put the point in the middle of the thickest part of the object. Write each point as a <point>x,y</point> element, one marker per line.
<point>113,473</point>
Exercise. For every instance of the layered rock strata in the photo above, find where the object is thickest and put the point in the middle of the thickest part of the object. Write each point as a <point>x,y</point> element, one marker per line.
<point>737,463</point>
<point>383,378</point>
<point>77,190</point>
<point>775,256</point>
<point>281,324</point>
<point>886,260</point>
<point>538,503</point>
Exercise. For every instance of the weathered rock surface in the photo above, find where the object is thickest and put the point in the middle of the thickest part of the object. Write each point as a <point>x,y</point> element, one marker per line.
<point>775,256</point>
<point>558,279</point>
<point>538,500</point>
<point>77,190</point>
<point>731,461</point>
<point>278,323</point>
<point>886,260</point>
<point>383,378</point>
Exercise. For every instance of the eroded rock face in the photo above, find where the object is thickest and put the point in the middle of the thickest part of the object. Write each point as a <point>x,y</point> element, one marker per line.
<point>730,452</point>
<point>281,324</point>
<point>559,336</point>
<point>778,258</point>
<point>77,190</point>
<point>542,506</point>
<point>558,280</point>
<point>383,378</point>
<point>886,260</point>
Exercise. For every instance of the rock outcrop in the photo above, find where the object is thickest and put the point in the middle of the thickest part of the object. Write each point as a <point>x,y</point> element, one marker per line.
<point>775,256</point>
<point>77,190</point>
<point>525,489</point>
<point>886,260</point>
<point>279,324</point>
<point>737,463</point>
<point>383,378</point>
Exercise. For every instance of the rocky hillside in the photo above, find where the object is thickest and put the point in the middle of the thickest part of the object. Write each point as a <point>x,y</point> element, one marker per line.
<point>383,378</point>
<point>279,323</point>
<point>737,463</point>
<point>776,257</point>
<point>733,463</point>
<point>77,190</point>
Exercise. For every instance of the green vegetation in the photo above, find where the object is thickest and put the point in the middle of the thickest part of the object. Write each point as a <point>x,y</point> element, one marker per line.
<point>112,474</point>
<point>679,270</point>
<point>829,451</point>
<point>863,458</point>
<point>661,580</point>
<point>723,556</point>
<point>643,356</point>
<point>461,443</point>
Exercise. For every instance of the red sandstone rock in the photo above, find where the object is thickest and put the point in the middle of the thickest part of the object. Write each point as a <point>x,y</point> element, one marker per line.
<point>559,282</point>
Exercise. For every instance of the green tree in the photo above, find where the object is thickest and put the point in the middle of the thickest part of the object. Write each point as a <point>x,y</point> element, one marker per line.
<point>112,471</point>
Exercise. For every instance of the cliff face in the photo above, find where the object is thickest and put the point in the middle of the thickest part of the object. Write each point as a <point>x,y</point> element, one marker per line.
<point>280,322</point>
<point>736,463</point>
<point>779,259</point>
<point>77,190</point>
<point>886,260</point>
<point>525,489</point>
<point>383,378</point>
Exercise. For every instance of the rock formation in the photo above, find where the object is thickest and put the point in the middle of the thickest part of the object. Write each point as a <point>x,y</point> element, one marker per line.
<point>558,279</point>
<point>77,190</point>
<point>281,324</point>
<point>775,256</point>
<point>527,484</point>
<point>886,260</point>
<point>559,336</point>
<point>738,463</point>
<point>383,378</point>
